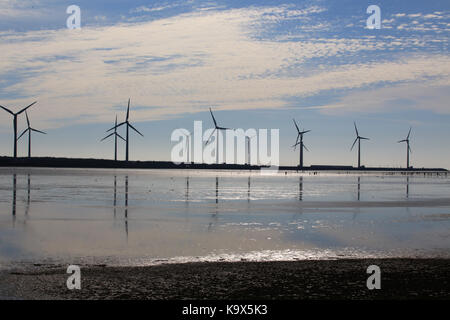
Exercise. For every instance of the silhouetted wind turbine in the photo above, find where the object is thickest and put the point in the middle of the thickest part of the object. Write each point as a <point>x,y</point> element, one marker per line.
<point>300,142</point>
<point>358,138</point>
<point>29,129</point>
<point>128,126</point>
<point>15,124</point>
<point>216,129</point>
<point>115,139</point>
<point>408,149</point>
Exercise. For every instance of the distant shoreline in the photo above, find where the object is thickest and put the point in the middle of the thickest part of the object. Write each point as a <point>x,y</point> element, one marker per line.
<point>50,162</point>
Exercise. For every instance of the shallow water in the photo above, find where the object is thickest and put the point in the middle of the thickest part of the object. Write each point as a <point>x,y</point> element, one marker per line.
<point>140,217</point>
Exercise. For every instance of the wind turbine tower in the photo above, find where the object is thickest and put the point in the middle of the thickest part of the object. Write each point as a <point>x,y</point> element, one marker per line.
<point>299,141</point>
<point>358,138</point>
<point>216,129</point>
<point>29,129</point>
<point>128,126</point>
<point>116,135</point>
<point>15,124</point>
<point>408,149</point>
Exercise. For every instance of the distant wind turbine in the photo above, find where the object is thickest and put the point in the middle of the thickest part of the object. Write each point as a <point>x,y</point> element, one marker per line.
<point>216,129</point>
<point>115,139</point>
<point>249,138</point>
<point>300,142</point>
<point>15,124</point>
<point>408,149</point>
<point>188,149</point>
<point>128,126</point>
<point>358,138</point>
<point>29,129</point>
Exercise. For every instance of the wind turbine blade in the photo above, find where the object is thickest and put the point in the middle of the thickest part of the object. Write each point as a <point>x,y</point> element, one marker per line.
<point>135,129</point>
<point>109,135</point>
<point>207,141</point>
<point>296,126</point>
<point>353,144</point>
<point>119,136</point>
<point>222,128</point>
<point>303,132</point>
<point>356,129</point>
<point>7,110</point>
<point>296,140</point>
<point>401,141</point>
<point>305,148</point>
<point>116,126</point>
<point>28,120</point>
<point>409,132</point>
<point>26,108</point>
<point>128,109</point>
<point>36,130</point>
<point>409,148</point>
<point>214,119</point>
<point>24,131</point>
<point>364,138</point>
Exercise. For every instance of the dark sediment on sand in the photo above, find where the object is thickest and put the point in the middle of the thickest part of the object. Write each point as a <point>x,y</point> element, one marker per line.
<point>313,279</point>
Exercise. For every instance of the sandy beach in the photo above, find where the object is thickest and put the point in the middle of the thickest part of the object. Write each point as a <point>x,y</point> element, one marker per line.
<point>318,279</point>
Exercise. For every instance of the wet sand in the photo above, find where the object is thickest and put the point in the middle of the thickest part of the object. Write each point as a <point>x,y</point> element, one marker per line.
<point>312,279</point>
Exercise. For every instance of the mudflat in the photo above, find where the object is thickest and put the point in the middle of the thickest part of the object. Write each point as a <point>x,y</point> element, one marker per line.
<point>305,279</point>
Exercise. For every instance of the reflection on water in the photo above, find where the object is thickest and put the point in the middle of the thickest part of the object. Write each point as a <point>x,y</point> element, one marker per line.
<point>248,190</point>
<point>27,209</point>
<point>115,196</point>
<point>407,187</point>
<point>186,197</point>
<point>187,213</point>
<point>359,188</point>
<point>14,196</point>
<point>215,212</point>
<point>300,189</point>
<point>126,206</point>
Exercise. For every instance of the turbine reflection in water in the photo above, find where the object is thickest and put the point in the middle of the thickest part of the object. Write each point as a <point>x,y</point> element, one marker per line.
<point>215,213</point>
<point>407,187</point>
<point>126,206</point>
<point>78,205</point>
<point>300,189</point>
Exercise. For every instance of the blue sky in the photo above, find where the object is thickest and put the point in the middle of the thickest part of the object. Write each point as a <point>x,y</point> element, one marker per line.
<point>257,63</point>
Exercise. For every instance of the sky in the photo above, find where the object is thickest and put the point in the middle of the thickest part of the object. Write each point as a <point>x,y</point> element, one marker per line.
<point>257,64</point>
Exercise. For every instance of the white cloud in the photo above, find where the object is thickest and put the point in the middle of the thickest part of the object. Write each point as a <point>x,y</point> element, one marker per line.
<point>152,9</point>
<point>184,64</point>
<point>433,96</point>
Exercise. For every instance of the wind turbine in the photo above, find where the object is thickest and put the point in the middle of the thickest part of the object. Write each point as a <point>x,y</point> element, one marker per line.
<point>249,138</point>
<point>188,150</point>
<point>29,129</point>
<point>216,129</point>
<point>358,138</point>
<point>15,124</point>
<point>300,142</point>
<point>115,139</point>
<point>128,127</point>
<point>408,149</point>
